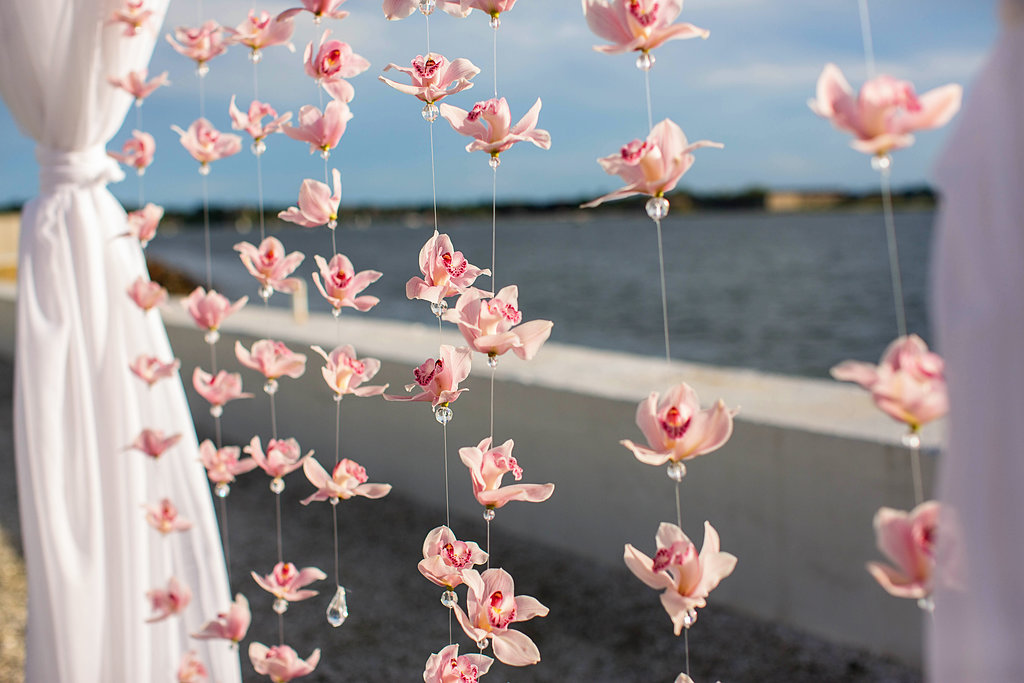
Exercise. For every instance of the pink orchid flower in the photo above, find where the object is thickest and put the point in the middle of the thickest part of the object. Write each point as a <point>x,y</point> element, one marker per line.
<point>434,77</point>
<point>318,8</point>
<point>168,602</point>
<point>489,123</point>
<point>686,577</point>
<point>447,666</point>
<point>191,669</point>
<point>322,131</point>
<point>439,379</point>
<point>200,44</point>
<point>133,14</point>
<point>345,374</point>
<point>283,456</point>
<point>677,429</point>
<point>136,152</point>
<point>142,223</point>
<point>151,369</point>
<point>637,24</point>
<point>281,662</point>
<point>339,283</point>
<point>261,30</point>
<point>446,272</point>
<point>205,143</point>
<point>272,358</point>
<point>908,540</point>
<point>218,389</point>
<point>491,7</point>
<point>231,625</point>
<point>223,464</point>
<point>487,466</point>
<point>147,294</point>
<point>252,122</point>
<point>908,384</point>
<point>317,205</point>
<point>886,111</point>
<point>400,9</point>
<point>492,326</point>
<point>164,517</point>
<point>492,606</point>
<point>445,557</point>
<point>286,582</point>
<point>334,62</point>
<point>346,480</point>
<point>271,265</point>
<point>210,309</point>
<point>153,443</point>
<point>136,85</point>
<point>654,166</point>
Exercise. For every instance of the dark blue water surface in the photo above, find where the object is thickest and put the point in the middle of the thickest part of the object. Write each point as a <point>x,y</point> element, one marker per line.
<point>790,293</point>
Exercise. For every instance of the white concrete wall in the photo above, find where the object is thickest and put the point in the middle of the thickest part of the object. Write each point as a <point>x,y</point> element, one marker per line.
<point>792,494</point>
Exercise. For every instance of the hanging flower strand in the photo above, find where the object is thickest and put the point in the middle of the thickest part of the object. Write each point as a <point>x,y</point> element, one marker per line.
<point>638,26</point>
<point>261,31</point>
<point>400,9</point>
<point>432,79</point>
<point>207,144</point>
<point>333,63</point>
<point>322,130</point>
<point>135,84</point>
<point>489,123</point>
<point>200,44</point>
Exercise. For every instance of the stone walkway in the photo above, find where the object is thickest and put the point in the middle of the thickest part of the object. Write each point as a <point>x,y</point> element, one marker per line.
<point>604,626</point>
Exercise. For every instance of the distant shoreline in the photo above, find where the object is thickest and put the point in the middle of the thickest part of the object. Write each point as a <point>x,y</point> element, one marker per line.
<point>752,199</point>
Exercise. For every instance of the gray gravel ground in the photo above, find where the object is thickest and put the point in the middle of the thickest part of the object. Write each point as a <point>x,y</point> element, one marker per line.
<point>604,626</point>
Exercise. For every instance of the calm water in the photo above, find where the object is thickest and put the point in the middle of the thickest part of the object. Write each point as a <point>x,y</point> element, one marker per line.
<point>792,294</point>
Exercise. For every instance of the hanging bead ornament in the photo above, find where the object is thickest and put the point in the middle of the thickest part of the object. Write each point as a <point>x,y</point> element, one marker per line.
<point>255,55</point>
<point>494,162</point>
<point>644,61</point>
<point>277,485</point>
<point>337,609</point>
<point>492,360</point>
<point>495,22</point>
<point>488,514</point>
<point>211,337</point>
<point>258,147</point>
<point>216,410</point>
<point>202,69</point>
<point>449,599</point>
<point>881,162</point>
<point>280,606</point>
<point>222,490</point>
<point>270,387</point>
<point>426,7</point>
<point>204,169</point>
<point>657,208</point>
<point>676,471</point>
<point>430,112</point>
<point>443,413</point>
<point>690,618</point>
<point>439,308</point>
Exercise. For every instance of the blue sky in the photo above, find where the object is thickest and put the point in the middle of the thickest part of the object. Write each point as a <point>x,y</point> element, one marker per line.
<point>746,86</point>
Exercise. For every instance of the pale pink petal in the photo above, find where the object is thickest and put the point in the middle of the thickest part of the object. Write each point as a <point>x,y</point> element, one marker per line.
<point>514,648</point>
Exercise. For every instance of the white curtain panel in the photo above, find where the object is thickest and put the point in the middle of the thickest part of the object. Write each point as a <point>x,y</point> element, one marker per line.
<point>978,306</point>
<point>90,555</point>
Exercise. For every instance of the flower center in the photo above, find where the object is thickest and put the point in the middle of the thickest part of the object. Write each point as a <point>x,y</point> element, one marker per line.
<point>633,151</point>
<point>455,264</point>
<point>644,17</point>
<point>457,555</point>
<point>497,614</point>
<point>673,424</point>
<point>426,69</point>
<point>426,372</point>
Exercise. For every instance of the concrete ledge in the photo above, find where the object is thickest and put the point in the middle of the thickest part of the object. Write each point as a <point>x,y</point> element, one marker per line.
<point>792,494</point>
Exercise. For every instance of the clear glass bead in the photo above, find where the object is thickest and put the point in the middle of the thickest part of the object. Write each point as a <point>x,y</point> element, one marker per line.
<point>138,101</point>
<point>255,56</point>
<point>325,153</point>
<point>258,147</point>
<point>336,312</point>
<point>427,7</point>
<point>881,162</point>
<point>489,514</point>
<point>144,243</point>
<point>332,224</point>
<point>644,61</point>
<point>494,161</point>
<point>676,471</point>
<point>277,485</point>
<point>317,19</point>
<point>492,360</point>
<point>482,643</point>
<point>202,69</point>
<point>337,397</point>
<point>926,604</point>
<point>495,22</point>
<point>211,337</point>
<point>690,618</point>
<point>271,386</point>
<point>337,609</point>
<point>222,490</point>
<point>443,414</point>
<point>430,112</point>
<point>204,168</point>
<point>334,500</point>
<point>911,440</point>
<point>265,292</point>
<point>657,208</point>
<point>216,410</point>
<point>449,599</point>
<point>140,171</point>
<point>280,605</point>
<point>439,308</point>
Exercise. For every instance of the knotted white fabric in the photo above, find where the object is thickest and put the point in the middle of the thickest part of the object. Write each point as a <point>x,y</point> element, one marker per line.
<point>976,299</point>
<point>91,557</point>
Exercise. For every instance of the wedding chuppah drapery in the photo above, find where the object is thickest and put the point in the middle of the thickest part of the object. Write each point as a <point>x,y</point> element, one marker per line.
<point>91,557</point>
<point>979,315</point>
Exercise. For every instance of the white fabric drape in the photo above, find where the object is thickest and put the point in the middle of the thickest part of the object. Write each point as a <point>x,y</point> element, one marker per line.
<point>978,284</point>
<point>90,555</point>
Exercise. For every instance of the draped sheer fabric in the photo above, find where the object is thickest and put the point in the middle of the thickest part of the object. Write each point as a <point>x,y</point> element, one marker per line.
<point>90,555</point>
<point>978,280</point>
